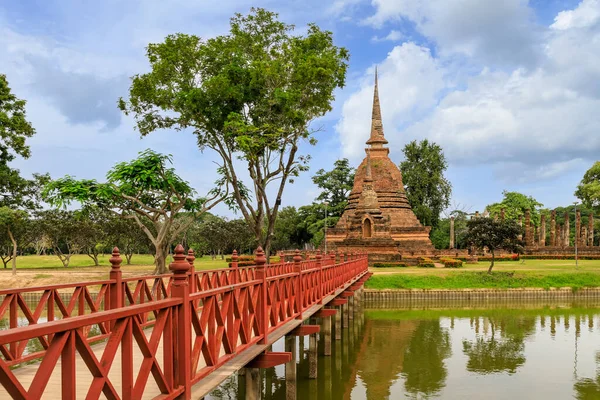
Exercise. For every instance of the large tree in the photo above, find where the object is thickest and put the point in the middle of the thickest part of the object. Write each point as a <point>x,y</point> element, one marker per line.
<point>146,190</point>
<point>495,235</point>
<point>588,190</point>
<point>515,204</point>
<point>17,194</point>
<point>427,189</point>
<point>250,96</point>
<point>14,130</point>
<point>335,186</point>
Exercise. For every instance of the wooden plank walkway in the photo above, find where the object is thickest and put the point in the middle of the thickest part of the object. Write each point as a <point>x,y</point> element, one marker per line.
<point>84,378</point>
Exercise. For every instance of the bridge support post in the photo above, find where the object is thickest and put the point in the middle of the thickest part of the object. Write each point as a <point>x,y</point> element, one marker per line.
<point>345,315</point>
<point>252,384</point>
<point>338,323</point>
<point>327,336</point>
<point>290,368</point>
<point>312,356</point>
<point>351,307</point>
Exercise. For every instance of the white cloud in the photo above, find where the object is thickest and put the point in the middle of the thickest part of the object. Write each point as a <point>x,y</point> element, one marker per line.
<point>393,36</point>
<point>502,32</point>
<point>409,82</point>
<point>529,124</point>
<point>585,15</point>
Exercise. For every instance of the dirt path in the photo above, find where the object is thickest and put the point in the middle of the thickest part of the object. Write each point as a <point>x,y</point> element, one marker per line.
<point>31,278</point>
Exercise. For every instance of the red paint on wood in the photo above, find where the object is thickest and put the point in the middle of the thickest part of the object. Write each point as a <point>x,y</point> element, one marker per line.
<point>270,359</point>
<point>304,330</point>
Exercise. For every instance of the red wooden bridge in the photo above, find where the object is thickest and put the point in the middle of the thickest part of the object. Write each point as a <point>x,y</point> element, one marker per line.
<point>164,337</point>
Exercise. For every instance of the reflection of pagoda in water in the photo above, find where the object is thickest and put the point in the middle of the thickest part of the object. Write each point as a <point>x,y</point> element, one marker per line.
<point>378,218</point>
<point>381,356</point>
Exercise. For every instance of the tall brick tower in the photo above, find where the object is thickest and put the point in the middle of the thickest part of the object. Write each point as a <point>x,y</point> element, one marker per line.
<point>378,218</point>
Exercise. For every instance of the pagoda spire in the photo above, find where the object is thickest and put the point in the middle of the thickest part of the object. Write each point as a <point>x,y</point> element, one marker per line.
<point>377,139</point>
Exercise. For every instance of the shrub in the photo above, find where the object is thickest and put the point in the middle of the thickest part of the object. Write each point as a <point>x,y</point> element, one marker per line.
<point>450,263</point>
<point>389,265</point>
<point>243,264</point>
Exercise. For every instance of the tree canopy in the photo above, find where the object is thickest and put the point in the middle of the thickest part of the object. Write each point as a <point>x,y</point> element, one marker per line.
<point>514,205</point>
<point>146,190</point>
<point>494,234</point>
<point>427,189</point>
<point>250,96</point>
<point>335,186</point>
<point>588,190</point>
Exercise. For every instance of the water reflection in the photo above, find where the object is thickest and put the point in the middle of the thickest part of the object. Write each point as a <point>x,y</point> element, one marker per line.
<point>501,353</point>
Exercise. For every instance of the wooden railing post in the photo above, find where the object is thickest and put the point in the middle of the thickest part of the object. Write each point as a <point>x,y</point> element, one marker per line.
<point>116,292</point>
<point>299,294</point>
<point>320,266</point>
<point>234,267</point>
<point>263,318</point>
<point>183,329</point>
<point>190,259</point>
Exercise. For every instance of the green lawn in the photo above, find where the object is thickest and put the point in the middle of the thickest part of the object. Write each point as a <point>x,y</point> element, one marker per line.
<point>506,274</point>
<point>545,266</point>
<point>473,280</point>
<point>140,262</point>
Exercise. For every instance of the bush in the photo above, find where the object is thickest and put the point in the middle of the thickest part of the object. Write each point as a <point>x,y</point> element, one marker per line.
<point>450,263</point>
<point>389,265</point>
<point>512,257</point>
<point>243,264</point>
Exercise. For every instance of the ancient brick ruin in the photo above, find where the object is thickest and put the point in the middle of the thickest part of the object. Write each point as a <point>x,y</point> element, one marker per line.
<point>378,218</point>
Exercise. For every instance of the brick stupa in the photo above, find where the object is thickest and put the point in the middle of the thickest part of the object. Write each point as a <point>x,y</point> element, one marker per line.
<point>378,218</point>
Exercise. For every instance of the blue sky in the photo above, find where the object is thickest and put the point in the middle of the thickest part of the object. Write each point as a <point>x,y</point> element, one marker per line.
<point>510,89</point>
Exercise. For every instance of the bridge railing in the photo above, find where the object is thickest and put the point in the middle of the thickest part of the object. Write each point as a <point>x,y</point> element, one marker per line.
<point>181,338</point>
<point>36,305</point>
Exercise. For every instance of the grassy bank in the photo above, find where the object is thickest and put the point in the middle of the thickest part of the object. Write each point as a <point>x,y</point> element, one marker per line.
<point>474,280</point>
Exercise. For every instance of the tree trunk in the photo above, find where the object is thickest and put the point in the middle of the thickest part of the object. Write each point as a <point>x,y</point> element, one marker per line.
<point>128,258</point>
<point>94,257</point>
<point>160,259</point>
<point>14,252</point>
<point>492,264</point>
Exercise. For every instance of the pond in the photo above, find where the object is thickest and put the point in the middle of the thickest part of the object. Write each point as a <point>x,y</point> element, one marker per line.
<point>502,351</point>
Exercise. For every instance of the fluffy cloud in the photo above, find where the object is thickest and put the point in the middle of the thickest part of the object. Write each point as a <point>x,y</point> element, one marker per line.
<point>501,32</point>
<point>409,82</point>
<point>585,15</point>
<point>531,123</point>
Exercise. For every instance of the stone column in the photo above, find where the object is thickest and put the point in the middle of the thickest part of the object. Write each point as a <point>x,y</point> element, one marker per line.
<point>253,384</point>
<point>327,336</point>
<point>528,232</point>
<point>567,230</point>
<point>521,225</point>
<point>542,240</point>
<point>290,368</point>
<point>578,227</point>
<point>560,238</point>
<point>553,228</point>
<point>338,323</point>
<point>502,214</point>
<point>591,230</point>
<point>584,236</point>
<point>451,232</point>
<point>312,356</point>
